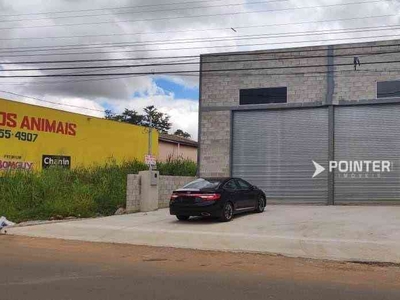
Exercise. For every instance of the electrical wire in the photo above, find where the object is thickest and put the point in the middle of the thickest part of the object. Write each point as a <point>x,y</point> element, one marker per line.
<point>306,74</point>
<point>81,72</point>
<point>198,71</point>
<point>97,60</point>
<point>147,11</point>
<point>185,64</point>
<point>229,54</point>
<point>188,16</point>
<point>313,74</point>
<point>118,67</point>
<point>210,47</point>
<point>51,102</point>
<point>115,8</point>
<point>200,40</point>
<point>203,30</point>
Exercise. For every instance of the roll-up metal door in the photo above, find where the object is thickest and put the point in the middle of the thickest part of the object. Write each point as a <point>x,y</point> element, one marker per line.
<point>274,150</point>
<point>367,133</point>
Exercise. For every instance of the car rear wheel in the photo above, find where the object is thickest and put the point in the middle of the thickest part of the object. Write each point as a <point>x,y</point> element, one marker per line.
<point>260,204</point>
<point>182,218</point>
<point>227,212</point>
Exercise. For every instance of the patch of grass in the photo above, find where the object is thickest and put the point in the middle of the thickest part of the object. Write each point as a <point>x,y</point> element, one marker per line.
<point>177,167</point>
<point>80,192</point>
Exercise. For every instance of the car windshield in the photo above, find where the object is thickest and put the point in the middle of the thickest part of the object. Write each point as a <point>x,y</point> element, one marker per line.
<point>202,184</point>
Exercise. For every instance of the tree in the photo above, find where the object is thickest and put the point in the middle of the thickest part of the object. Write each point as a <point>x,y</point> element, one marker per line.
<point>109,114</point>
<point>182,133</point>
<point>159,120</point>
<point>128,116</point>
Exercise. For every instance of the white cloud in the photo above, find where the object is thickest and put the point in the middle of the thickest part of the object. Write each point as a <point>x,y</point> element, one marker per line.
<point>183,112</point>
<point>76,105</point>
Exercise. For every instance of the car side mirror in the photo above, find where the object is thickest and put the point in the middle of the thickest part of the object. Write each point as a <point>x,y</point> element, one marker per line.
<point>252,188</point>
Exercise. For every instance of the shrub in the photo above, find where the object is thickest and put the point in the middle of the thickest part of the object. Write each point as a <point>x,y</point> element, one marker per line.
<point>80,192</point>
<point>177,167</point>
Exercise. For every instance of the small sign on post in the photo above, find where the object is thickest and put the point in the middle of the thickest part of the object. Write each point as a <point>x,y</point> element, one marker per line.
<point>151,161</point>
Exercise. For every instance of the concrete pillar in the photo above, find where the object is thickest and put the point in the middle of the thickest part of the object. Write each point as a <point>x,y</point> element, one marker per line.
<point>149,190</point>
<point>331,122</point>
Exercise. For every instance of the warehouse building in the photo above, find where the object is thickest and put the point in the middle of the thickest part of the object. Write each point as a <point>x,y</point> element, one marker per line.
<point>279,117</point>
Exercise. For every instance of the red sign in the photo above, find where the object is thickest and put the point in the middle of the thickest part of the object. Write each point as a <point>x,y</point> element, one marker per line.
<point>150,160</point>
<point>37,124</point>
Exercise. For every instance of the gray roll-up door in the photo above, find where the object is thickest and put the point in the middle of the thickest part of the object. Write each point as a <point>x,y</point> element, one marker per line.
<point>274,150</point>
<point>368,133</point>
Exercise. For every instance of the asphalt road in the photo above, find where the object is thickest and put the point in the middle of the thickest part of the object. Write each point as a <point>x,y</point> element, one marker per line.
<point>53,269</point>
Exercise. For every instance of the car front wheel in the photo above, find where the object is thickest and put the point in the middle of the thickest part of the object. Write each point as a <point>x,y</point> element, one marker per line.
<point>260,204</point>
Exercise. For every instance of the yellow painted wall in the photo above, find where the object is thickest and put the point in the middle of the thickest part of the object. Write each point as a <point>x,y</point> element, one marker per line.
<point>86,140</point>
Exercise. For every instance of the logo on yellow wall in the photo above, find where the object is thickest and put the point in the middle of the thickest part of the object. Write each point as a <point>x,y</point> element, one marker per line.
<point>15,165</point>
<point>56,160</point>
<point>12,120</point>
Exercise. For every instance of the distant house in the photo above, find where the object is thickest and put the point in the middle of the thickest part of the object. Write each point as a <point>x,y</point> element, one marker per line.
<point>172,146</point>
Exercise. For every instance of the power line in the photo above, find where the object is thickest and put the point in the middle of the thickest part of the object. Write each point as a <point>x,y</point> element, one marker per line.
<point>207,47</point>
<point>189,17</point>
<point>118,67</point>
<point>146,11</point>
<point>103,67</point>
<point>209,29</point>
<point>199,40</point>
<point>86,71</point>
<point>76,81</point>
<point>113,8</point>
<point>197,71</point>
<point>180,64</point>
<point>269,52</point>
<point>97,60</point>
<point>51,102</point>
<point>308,74</point>
<point>175,63</point>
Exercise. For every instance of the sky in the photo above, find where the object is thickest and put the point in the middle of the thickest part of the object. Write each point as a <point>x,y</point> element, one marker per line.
<point>34,31</point>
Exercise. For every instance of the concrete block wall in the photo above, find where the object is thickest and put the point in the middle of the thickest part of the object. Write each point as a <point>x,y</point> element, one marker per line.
<point>133,193</point>
<point>358,85</point>
<point>167,185</point>
<point>222,88</point>
<point>215,143</point>
<point>220,91</point>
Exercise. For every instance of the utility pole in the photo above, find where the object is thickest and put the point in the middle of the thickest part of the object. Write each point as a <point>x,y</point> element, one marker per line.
<point>150,139</point>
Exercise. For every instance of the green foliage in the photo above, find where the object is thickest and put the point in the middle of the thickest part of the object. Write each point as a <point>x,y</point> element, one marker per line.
<point>177,167</point>
<point>128,116</point>
<point>81,192</point>
<point>159,120</point>
<point>181,133</point>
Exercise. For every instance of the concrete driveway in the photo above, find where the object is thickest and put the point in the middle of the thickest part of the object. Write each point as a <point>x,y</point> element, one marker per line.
<point>351,233</point>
